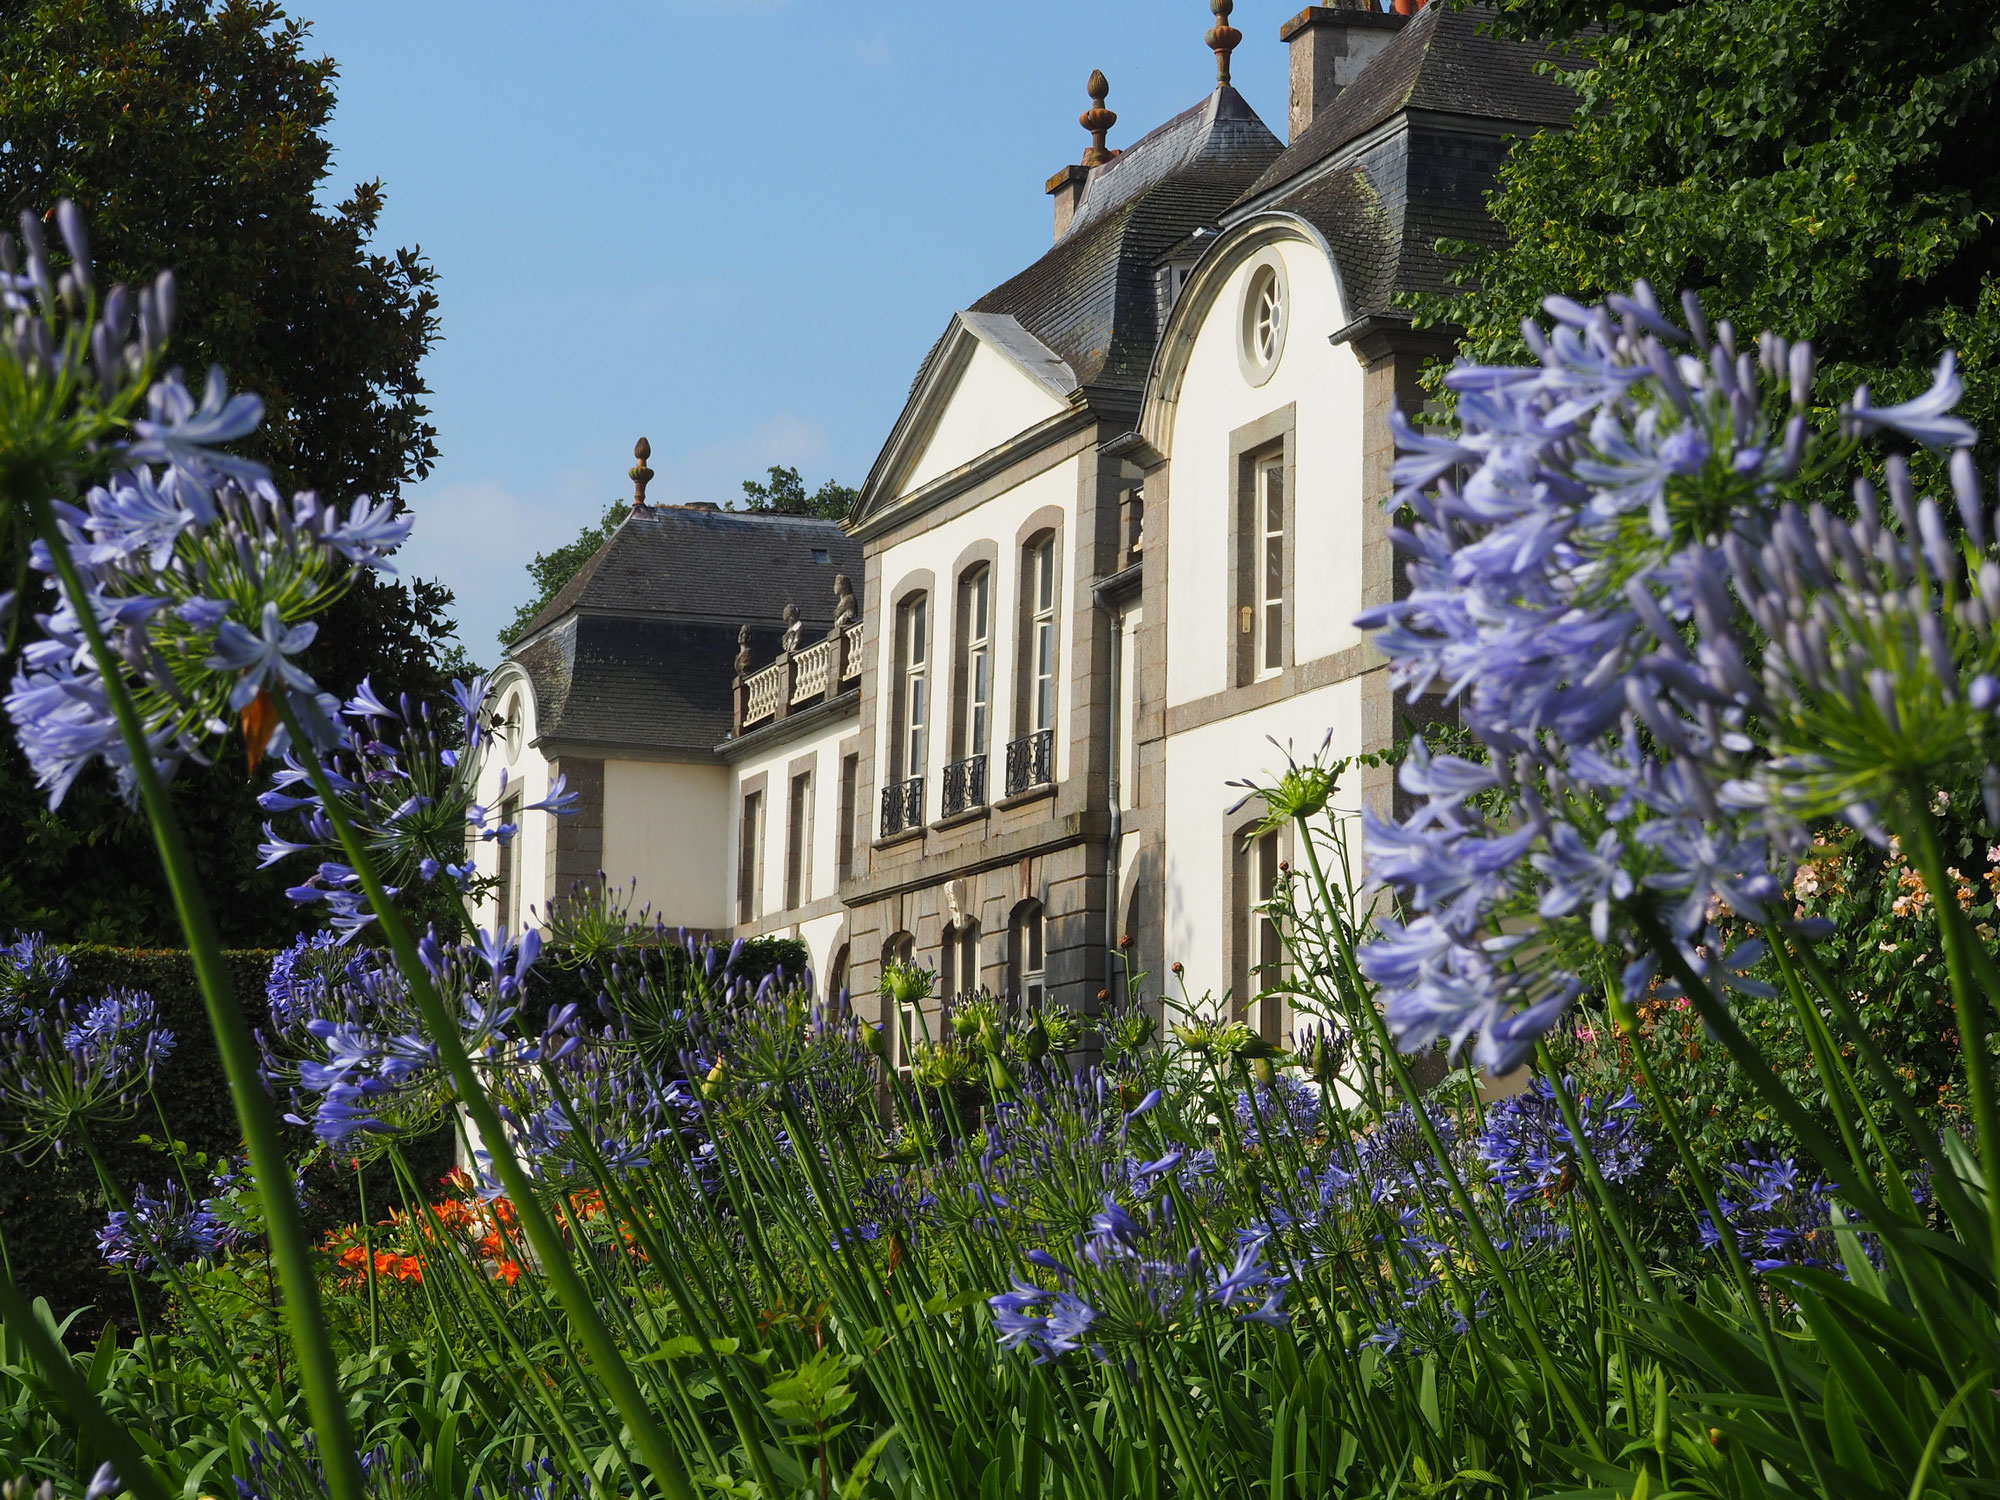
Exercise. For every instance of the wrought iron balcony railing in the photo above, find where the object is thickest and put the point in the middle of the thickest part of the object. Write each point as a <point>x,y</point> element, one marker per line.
<point>902,806</point>
<point>1031,761</point>
<point>964,785</point>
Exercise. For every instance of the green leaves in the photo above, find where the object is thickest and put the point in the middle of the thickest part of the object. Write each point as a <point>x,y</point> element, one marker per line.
<point>815,1394</point>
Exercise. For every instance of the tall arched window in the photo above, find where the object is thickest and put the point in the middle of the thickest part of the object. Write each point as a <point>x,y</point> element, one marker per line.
<point>959,962</point>
<point>1031,753</point>
<point>904,1022</point>
<point>1027,955</point>
<point>909,743</point>
<point>972,693</point>
<point>836,979</point>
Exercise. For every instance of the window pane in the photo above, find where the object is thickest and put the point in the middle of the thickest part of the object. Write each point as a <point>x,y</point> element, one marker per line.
<point>1274,567</point>
<point>1034,926</point>
<point>979,607</point>
<point>917,633</point>
<point>1274,498</point>
<point>1274,637</point>
<point>1045,579</point>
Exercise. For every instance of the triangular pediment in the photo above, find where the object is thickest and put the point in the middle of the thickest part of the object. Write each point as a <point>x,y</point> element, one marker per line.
<point>986,383</point>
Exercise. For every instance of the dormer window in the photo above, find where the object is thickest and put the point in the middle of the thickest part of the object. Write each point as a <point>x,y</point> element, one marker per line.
<point>821,555</point>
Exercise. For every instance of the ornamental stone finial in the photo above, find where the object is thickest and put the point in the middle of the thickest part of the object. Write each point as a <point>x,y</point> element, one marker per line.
<point>1097,120</point>
<point>1222,39</point>
<point>640,475</point>
<point>743,656</point>
<point>844,611</point>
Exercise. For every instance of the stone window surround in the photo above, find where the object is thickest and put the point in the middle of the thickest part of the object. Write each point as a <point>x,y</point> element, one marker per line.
<point>1256,370</point>
<point>919,581</point>
<point>1250,447</point>
<point>1047,521</point>
<point>750,878</point>
<point>978,554</point>
<point>1237,949</point>
<point>806,765</point>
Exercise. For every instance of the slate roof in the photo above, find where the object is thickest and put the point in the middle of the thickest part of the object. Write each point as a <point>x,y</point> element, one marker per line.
<point>1385,204</point>
<point>638,650</point>
<point>1091,298</point>
<point>1439,63</point>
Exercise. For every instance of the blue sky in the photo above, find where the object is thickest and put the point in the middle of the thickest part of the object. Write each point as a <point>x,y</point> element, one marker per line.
<point>733,226</point>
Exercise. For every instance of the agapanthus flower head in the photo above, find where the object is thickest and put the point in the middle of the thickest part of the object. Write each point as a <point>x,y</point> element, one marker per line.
<point>199,575</point>
<point>1595,556</point>
<point>1779,1216</point>
<point>64,1069</point>
<point>33,973</point>
<point>166,1228</point>
<point>1532,1154</point>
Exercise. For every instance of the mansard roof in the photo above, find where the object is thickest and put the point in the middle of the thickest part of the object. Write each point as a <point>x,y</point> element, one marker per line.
<point>1091,297</point>
<point>638,650</point>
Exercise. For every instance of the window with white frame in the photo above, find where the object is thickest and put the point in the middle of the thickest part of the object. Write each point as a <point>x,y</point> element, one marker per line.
<point>960,967</point>
<point>1042,581</point>
<point>750,859</point>
<point>1264,942</point>
<point>1027,959</point>
<point>976,661</point>
<point>798,842</point>
<point>915,653</point>
<point>1270,564</point>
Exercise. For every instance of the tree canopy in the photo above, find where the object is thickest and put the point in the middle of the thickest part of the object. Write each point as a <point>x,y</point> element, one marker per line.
<point>785,494</point>
<point>1826,168</point>
<point>192,135</point>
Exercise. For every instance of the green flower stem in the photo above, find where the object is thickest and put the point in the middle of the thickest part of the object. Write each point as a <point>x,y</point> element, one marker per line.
<point>1732,1253</point>
<point>1817,1143</point>
<point>319,1367</point>
<point>1971,1033</point>
<point>1602,1205</point>
<point>1523,1321</point>
<point>549,1248</point>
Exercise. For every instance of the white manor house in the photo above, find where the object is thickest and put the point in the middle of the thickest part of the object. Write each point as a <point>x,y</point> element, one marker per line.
<point>1111,551</point>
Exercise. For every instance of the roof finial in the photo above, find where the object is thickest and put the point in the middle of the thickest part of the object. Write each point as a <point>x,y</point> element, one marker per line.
<point>1098,121</point>
<point>641,476</point>
<point>1222,37</point>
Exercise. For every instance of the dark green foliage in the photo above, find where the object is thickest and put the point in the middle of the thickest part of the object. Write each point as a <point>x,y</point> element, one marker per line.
<point>557,981</point>
<point>786,496</point>
<point>551,570</point>
<point>192,134</point>
<point>1827,167</point>
<point>50,1212</point>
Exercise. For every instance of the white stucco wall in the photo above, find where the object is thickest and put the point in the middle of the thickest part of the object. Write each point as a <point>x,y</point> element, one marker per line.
<point>526,771</point>
<point>999,520</point>
<point>666,825</point>
<point>994,400</point>
<point>1324,383</point>
<point>1200,763</point>
<point>774,765</point>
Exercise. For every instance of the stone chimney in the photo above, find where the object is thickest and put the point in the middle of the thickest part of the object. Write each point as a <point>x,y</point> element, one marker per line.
<point>1067,186</point>
<point>1330,46</point>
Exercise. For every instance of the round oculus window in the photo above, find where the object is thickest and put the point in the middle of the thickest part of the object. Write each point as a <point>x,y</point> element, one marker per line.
<point>1265,315</point>
<point>511,728</point>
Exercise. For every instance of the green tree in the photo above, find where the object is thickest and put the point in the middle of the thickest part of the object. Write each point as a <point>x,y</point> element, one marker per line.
<point>192,134</point>
<point>1830,168</point>
<point>551,570</point>
<point>786,495</point>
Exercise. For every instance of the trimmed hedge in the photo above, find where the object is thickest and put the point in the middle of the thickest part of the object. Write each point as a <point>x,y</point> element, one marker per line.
<point>50,1212</point>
